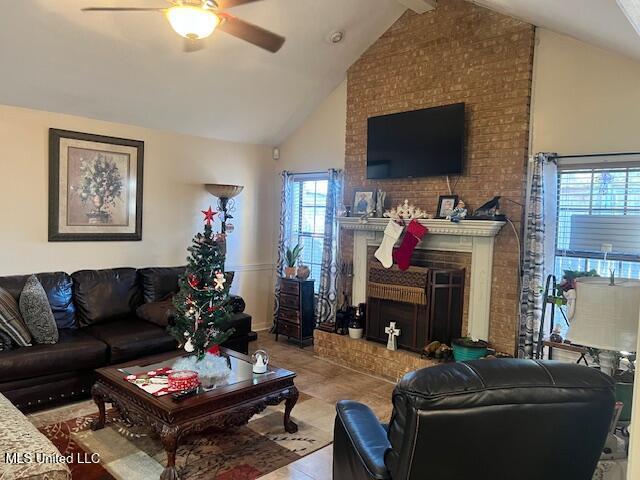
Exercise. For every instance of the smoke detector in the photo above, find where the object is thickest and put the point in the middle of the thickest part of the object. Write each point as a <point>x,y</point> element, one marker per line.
<point>336,36</point>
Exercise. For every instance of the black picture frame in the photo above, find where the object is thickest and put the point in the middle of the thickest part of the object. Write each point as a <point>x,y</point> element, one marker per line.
<point>55,235</point>
<point>440,213</point>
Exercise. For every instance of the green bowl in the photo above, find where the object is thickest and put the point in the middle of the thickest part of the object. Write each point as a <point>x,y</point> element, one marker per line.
<point>462,353</point>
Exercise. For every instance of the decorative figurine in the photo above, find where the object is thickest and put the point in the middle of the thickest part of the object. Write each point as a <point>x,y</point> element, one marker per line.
<point>458,213</point>
<point>380,199</point>
<point>260,360</point>
<point>406,211</point>
<point>393,332</point>
<point>489,211</point>
<point>555,335</point>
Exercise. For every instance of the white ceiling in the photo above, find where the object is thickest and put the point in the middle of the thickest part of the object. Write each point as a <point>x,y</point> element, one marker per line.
<point>599,22</point>
<point>130,68</point>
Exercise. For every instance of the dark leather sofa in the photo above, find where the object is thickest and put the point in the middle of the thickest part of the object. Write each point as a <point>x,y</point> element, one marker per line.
<point>98,326</point>
<point>485,419</point>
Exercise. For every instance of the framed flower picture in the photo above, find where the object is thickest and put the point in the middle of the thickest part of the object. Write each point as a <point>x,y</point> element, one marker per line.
<point>95,187</point>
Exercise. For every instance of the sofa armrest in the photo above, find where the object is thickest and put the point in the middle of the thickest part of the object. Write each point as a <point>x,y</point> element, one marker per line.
<point>360,442</point>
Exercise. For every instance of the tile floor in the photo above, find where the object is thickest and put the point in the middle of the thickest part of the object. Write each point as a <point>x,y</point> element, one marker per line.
<point>328,382</point>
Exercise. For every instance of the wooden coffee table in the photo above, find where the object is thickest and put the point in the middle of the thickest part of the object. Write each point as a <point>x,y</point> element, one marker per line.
<point>224,407</point>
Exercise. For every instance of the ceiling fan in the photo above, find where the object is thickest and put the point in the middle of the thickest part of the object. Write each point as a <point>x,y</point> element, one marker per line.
<point>197,19</point>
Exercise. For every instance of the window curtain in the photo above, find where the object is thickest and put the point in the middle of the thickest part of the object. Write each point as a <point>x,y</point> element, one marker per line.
<point>542,178</point>
<point>285,229</point>
<point>327,298</point>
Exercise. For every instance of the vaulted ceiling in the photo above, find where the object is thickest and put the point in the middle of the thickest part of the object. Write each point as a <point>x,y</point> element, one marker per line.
<point>130,67</point>
<point>599,22</point>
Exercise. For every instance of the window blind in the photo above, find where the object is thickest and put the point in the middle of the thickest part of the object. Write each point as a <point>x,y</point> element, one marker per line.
<point>598,207</point>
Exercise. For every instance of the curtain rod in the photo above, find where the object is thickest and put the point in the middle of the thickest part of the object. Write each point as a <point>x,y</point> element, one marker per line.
<point>592,155</point>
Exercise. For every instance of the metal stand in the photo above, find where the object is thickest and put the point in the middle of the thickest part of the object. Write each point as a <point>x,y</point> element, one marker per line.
<point>550,286</point>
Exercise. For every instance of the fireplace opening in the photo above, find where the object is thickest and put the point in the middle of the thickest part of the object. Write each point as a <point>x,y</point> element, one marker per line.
<point>426,304</point>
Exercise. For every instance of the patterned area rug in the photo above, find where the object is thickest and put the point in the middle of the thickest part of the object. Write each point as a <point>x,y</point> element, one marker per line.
<point>132,452</point>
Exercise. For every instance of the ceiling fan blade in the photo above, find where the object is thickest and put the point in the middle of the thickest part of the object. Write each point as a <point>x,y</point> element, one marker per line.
<point>121,9</point>
<point>189,45</point>
<point>223,4</point>
<point>251,33</point>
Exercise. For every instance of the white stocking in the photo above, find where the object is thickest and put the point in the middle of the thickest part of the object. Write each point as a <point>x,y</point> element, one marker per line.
<point>385,251</point>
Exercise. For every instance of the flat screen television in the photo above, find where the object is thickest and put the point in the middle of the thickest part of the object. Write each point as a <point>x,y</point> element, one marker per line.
<point>420,143</point>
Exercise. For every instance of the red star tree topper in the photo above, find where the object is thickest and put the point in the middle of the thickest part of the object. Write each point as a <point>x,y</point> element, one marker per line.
<point>208,215</point>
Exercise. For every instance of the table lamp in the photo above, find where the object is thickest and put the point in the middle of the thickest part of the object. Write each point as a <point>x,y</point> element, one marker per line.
<point>224,193</point>
<point>606,317</point>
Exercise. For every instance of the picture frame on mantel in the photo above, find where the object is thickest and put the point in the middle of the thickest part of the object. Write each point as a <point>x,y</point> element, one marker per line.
<point>364,202</point>
<point>446,204</point>
<point>95,187</point>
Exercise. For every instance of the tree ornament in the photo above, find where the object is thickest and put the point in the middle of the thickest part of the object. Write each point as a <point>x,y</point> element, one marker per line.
<point>220,281</point>
<point>188,347</point>
<point>193,280</point>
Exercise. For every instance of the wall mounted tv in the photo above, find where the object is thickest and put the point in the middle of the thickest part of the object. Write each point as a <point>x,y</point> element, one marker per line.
<point>420,143</point>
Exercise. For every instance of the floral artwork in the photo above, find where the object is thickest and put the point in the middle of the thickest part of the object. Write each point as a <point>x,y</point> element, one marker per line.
<point>95,187</point>
<point>98,187</point>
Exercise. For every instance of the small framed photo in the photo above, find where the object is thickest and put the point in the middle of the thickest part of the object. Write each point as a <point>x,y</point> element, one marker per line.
<point>446,204</point>
<point>95,187</point>
<point>364,202</point>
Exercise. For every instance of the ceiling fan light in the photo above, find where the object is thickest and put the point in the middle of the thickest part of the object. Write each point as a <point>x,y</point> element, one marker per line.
<point>192,22</point>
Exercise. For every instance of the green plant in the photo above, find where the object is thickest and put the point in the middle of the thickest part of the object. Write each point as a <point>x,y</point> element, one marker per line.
<point>470,342</point>
<point>293,255</point>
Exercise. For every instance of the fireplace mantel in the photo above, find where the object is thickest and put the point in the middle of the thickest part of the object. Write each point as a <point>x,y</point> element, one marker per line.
<point>470,236</point>
<point>467,228</point>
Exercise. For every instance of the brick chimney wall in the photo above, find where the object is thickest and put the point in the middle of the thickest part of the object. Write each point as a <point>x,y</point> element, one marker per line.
<point>458,52</point>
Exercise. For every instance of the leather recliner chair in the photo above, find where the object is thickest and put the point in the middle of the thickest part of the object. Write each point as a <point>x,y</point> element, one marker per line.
<point>485,419</point>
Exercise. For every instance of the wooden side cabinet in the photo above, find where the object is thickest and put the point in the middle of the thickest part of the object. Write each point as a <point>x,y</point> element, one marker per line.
<point>296,316</point>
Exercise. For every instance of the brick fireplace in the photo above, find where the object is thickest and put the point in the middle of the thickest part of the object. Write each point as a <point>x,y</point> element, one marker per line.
<point>458,52</point>
<point>469,243</point>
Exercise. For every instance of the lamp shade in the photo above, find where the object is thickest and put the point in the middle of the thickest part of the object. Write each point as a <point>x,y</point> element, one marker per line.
<point>223,191</point>
<point>192,22</point>
<point>606,316</point>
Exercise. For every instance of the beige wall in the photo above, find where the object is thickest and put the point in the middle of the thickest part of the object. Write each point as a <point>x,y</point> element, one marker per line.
<point>319,143</point>
<point>175,169</point>
<point>585,99</point>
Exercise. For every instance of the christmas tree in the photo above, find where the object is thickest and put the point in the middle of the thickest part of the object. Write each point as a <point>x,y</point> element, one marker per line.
<point>202,301</point>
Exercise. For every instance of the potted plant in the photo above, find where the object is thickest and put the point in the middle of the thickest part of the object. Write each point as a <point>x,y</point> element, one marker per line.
<point>355,328</point>
<point>292,257</point>
<point>469,348</point>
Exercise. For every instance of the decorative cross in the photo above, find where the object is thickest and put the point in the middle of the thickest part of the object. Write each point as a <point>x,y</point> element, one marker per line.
<point>393,332</point>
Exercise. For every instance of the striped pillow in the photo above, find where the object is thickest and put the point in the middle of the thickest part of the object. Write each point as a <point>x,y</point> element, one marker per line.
<point>11,321</point>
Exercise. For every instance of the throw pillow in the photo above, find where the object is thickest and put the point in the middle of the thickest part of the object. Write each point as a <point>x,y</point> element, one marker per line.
<point>157,313</point>
<point>36,311</point>
<point>11,321</point>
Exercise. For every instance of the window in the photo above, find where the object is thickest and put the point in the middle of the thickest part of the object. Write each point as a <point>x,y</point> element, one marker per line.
<point>599,210</point>
<point>309,201</point>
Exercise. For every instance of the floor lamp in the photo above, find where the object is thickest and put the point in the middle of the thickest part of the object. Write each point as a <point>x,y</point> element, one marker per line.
<point>225,194</point>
